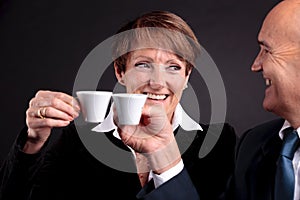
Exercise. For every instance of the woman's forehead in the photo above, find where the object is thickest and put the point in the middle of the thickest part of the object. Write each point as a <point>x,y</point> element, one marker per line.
<point>154,53</point>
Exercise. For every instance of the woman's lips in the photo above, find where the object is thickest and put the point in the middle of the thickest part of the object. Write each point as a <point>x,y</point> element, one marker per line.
<point>156,96</point>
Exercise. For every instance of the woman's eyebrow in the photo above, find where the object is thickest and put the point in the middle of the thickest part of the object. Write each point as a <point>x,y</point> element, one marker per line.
<point>141,56</point>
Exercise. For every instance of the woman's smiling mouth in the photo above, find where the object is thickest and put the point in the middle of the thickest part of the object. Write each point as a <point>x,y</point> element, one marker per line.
<point>156,96</point>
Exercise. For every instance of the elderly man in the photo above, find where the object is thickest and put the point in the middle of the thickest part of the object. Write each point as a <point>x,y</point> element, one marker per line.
<point>267,156</point>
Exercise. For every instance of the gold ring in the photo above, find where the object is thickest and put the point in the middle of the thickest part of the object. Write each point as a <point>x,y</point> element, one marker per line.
<point>40,114</point>
<point>43,112</point>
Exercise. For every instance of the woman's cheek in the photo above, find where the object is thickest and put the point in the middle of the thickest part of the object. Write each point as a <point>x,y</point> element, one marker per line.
<point>136,81</point>
<point>176,85</point>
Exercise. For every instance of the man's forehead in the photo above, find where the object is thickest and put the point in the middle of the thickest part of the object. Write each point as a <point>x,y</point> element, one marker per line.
<point>282,21</point>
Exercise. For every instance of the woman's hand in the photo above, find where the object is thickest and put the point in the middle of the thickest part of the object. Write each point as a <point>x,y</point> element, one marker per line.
<point>46,110</point>
<point>153,132</point>
<point>153,138</point>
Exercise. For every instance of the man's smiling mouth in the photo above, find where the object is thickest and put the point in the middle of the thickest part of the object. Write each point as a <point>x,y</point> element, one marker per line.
<point>268,82</point>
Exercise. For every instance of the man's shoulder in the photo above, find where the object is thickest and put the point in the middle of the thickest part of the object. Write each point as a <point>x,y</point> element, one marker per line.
<point>258,135</point>
<point>264,129</point>
<point>271,123</point>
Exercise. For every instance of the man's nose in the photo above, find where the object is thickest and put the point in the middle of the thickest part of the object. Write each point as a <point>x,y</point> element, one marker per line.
<point>257,64</point>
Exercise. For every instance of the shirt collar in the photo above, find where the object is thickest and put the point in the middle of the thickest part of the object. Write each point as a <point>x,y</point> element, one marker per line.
<point>181,118</point>
<point>285,125</point>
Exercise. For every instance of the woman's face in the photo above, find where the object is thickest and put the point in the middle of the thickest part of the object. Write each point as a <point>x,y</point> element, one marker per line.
<point>158,73</point>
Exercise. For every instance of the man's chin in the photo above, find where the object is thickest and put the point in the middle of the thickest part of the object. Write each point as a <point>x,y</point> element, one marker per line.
<point>269,105</point>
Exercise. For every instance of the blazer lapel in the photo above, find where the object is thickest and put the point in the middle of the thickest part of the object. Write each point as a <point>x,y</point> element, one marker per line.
<point>263,171</point>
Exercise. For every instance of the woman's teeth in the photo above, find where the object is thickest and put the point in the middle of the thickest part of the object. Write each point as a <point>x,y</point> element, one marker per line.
<point>156,96</point>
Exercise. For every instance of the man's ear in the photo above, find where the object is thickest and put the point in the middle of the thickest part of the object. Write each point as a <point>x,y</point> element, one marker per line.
<point>119,74</point>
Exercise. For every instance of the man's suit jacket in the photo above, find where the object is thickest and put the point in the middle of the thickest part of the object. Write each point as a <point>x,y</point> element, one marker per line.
<point>256,156</point>
<point>65,169</point>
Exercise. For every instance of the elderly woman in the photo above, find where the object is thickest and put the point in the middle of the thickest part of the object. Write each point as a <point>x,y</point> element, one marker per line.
<point>153,55</point>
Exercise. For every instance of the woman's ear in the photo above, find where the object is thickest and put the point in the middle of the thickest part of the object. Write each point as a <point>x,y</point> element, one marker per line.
<point>187,79</point>
<point>119,74</point>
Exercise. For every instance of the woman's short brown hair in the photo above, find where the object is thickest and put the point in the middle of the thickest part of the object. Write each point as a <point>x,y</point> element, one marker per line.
<point>158,30</point>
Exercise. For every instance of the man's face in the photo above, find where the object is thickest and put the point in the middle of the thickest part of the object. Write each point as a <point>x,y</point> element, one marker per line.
<point>279,61</point>
<point>159,74</point>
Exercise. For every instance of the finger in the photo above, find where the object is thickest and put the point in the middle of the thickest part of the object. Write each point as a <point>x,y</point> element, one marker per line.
<point>126,134</point>
<point>31,113</point>
<point>67,99</point>
<point>76,104</point>
<point>45,94</point>
<point>36,123</point>
<point>55,103</point>
<point>127,129</point>
<point>153,109</point>
<point>152,112</point>
<point>38,102</point>
<point>50,112</point>
<point>65,103</point>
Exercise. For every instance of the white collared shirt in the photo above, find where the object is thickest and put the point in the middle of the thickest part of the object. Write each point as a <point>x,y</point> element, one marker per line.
<point>296,161</point>
<point>180,119</point>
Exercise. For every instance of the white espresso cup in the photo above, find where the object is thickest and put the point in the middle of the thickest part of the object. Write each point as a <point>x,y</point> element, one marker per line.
<point>94,104</point>
<point>129,107</point>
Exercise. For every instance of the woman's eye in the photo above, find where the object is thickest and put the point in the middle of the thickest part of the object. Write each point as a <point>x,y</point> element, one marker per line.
<point>174,68</point>
<point>142,65</point>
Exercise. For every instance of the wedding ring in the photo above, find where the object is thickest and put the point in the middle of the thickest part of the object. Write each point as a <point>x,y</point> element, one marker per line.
<point>43,112</point>
<point>40,113</point>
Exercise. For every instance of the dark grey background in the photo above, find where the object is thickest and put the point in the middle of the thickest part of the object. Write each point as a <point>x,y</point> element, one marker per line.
<point>43,43</point>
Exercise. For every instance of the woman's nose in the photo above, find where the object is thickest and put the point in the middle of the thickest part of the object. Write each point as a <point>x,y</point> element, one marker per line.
<point>157,78</point>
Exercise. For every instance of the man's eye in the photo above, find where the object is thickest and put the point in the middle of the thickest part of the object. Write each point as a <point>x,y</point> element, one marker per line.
<point>266,50</point>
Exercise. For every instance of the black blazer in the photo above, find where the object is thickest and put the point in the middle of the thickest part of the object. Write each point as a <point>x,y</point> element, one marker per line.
<point>65,169</point>
<point>256,156</point>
